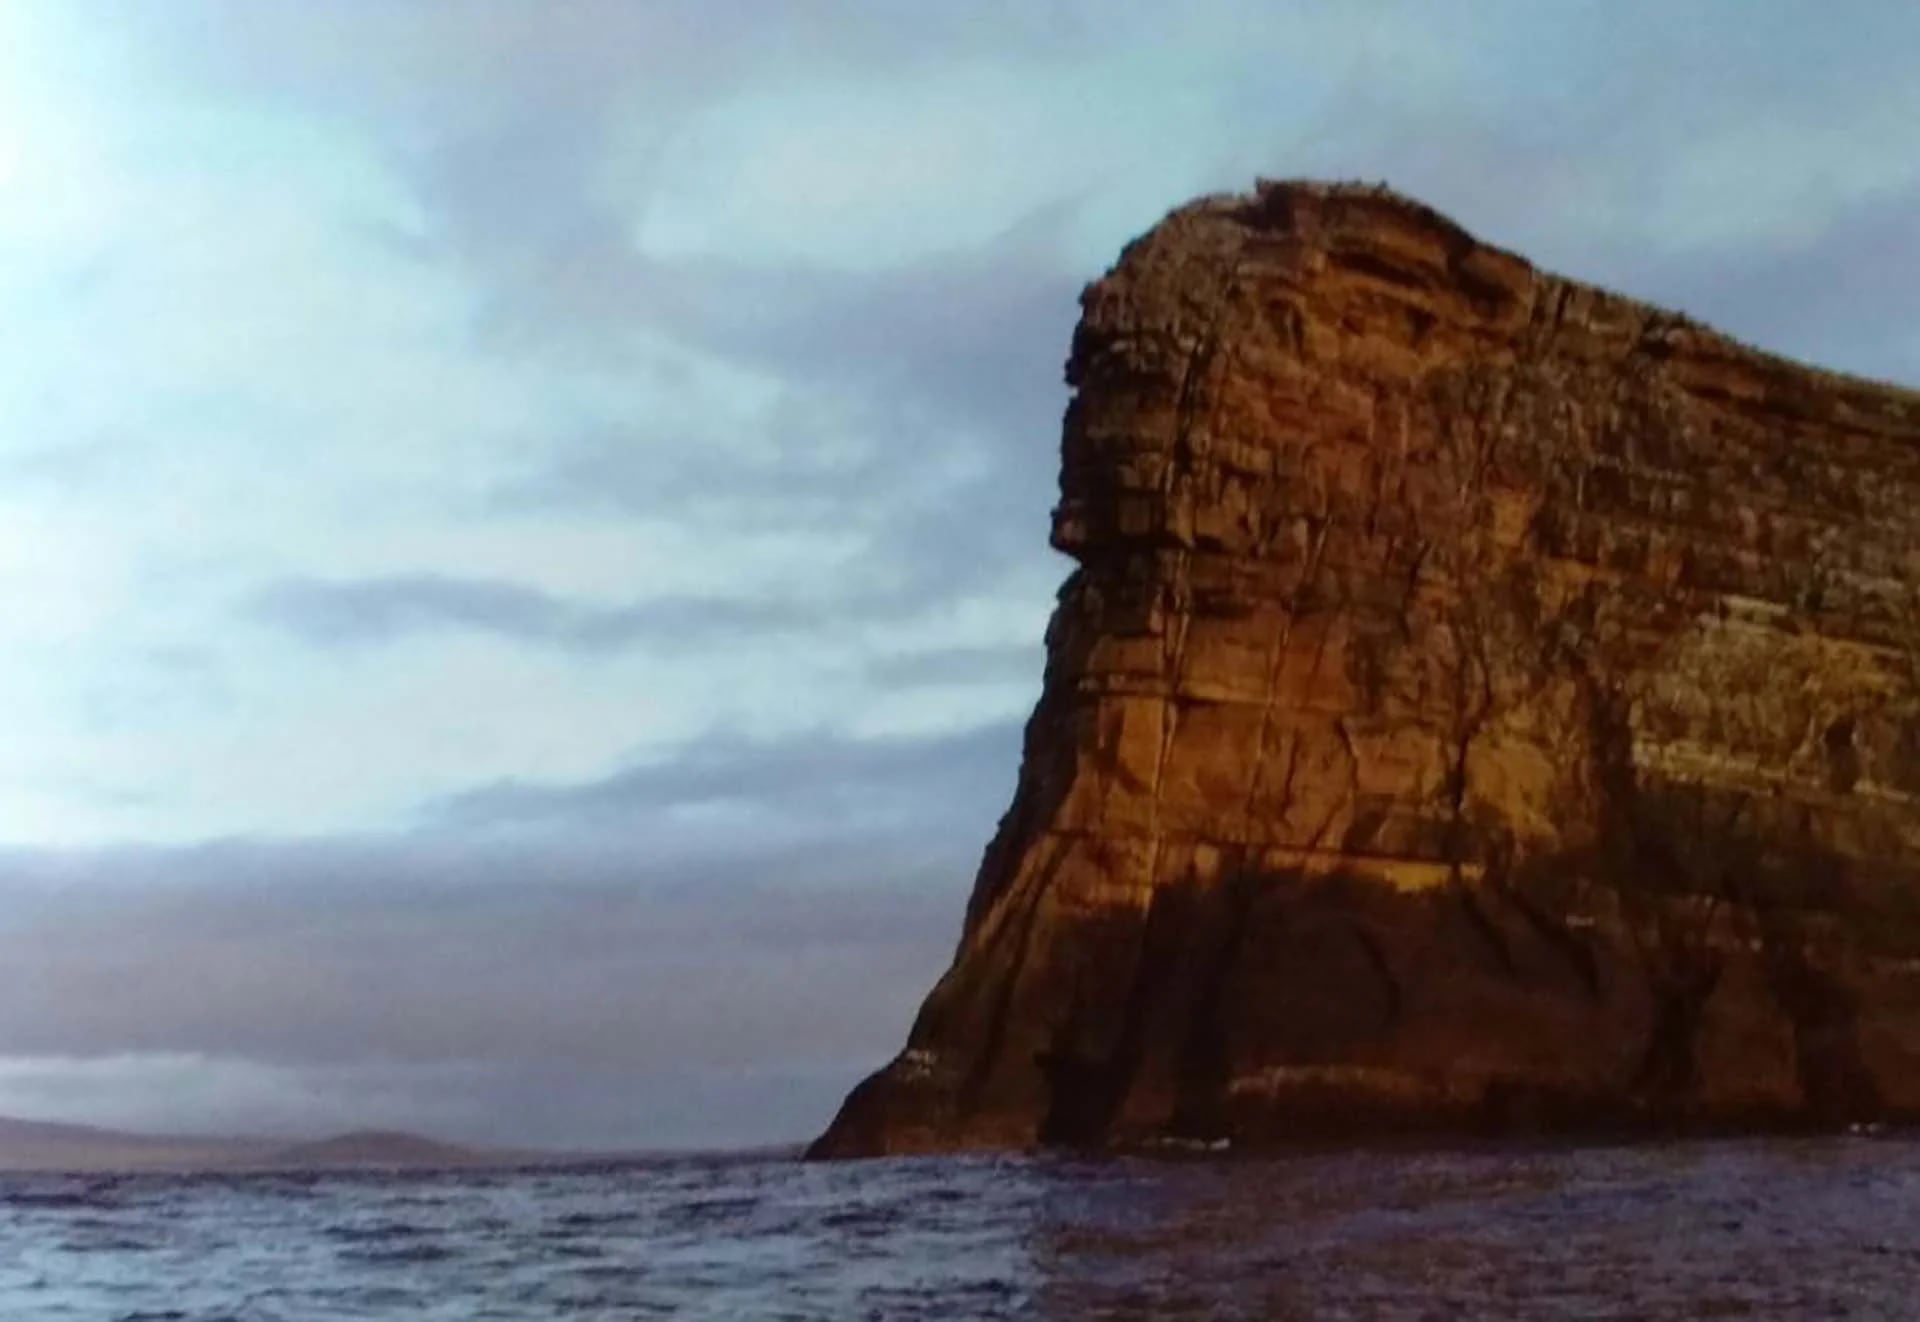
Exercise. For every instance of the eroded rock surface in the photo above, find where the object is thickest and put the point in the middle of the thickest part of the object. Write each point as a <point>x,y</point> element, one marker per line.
<point>1483,701</point>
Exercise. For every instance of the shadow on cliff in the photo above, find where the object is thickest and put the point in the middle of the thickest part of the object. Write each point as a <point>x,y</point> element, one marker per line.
<point>1706,964</point>
<point>1688,974</point>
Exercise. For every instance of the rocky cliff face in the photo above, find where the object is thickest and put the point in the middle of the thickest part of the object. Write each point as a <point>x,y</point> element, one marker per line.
<point>1482,702</point>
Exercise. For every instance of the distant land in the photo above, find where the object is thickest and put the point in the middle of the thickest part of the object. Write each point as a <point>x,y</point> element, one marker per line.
<point>40,1145</point>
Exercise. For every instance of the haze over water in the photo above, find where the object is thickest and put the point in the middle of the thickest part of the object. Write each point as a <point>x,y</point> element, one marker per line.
<point>1765,1229</point>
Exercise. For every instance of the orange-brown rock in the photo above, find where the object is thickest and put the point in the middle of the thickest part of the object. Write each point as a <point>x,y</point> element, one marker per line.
<point>1482,702</point>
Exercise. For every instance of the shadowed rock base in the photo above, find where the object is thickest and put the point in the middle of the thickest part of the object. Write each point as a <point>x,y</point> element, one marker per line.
<point>1483,704</point>
<point>1283,1008</point>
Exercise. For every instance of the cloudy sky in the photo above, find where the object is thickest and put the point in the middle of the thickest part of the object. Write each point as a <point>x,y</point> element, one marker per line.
<point>522,525</point>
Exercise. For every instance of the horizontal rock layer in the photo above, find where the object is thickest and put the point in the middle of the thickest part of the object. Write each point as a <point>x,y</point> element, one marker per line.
<point>1482,701</point>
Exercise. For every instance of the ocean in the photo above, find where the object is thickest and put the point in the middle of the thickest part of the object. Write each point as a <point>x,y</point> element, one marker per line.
<point>1764,1229</point>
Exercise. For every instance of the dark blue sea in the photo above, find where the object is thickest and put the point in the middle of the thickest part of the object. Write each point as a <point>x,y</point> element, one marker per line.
<point>1773,1229</point>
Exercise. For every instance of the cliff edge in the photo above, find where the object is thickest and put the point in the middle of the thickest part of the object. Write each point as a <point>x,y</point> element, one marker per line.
<point>1482,702</point>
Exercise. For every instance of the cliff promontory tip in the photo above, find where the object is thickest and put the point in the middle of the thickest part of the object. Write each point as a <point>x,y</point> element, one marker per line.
<point>1482,703</point>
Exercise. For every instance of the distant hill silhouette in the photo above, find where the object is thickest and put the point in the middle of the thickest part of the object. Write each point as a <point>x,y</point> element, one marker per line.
<point>377,1148</point>
<point>43,1145</point>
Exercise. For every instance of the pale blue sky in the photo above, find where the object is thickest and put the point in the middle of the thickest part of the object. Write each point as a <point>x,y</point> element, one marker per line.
<point>480,479</point>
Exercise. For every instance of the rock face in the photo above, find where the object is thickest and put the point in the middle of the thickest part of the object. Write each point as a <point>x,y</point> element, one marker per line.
<point>1482,702</point>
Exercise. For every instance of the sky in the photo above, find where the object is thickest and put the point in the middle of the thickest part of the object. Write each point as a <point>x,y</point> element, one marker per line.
<point>523,526</point>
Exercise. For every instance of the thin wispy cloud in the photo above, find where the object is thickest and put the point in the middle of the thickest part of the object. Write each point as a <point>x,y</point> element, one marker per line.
<point>848,785</point>
<point>380,610</point>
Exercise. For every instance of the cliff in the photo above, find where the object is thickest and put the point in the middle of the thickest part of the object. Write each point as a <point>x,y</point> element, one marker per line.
<point>1482,702</point>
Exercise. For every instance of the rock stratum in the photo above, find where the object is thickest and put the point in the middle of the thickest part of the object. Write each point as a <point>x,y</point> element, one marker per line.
<point>1482,703</point>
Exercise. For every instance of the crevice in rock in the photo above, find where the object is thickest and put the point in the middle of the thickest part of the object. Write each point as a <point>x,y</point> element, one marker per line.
<point>1835,1081</point>
<point>1484,928</point>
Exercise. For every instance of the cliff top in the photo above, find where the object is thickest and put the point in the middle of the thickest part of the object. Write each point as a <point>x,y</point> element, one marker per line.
<point>1331,209</point>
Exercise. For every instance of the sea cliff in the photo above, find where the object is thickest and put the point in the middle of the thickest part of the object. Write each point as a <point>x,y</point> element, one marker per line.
<point>1482,702</point>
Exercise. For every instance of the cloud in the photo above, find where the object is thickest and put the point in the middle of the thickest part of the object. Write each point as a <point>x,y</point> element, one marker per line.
<point>384,609</point>
<point>918,412</point>
<point>872,782</point>
<point>748,924</point>
<point>378,610</point>
<point>961,665</point>
<point>1842,295</point>
<point>518,997</point>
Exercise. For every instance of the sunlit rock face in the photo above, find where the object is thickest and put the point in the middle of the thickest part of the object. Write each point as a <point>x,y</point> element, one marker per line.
<point>1483,702</point>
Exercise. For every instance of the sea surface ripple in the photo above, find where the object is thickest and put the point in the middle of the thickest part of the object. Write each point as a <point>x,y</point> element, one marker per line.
<point>1762,1229</point>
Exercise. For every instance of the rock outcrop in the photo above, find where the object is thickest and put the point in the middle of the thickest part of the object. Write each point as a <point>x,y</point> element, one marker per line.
<point>1482,702</point>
